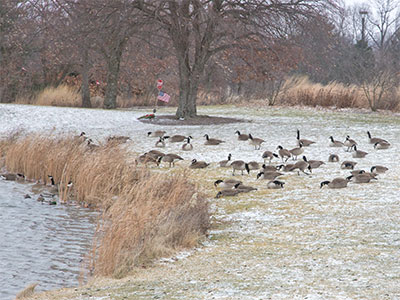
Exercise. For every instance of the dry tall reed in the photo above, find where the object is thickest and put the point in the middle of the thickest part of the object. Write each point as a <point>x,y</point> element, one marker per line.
<point>62,95</point>
<point>150,219</point>
<point>145,215</point>
<point>301,91</point>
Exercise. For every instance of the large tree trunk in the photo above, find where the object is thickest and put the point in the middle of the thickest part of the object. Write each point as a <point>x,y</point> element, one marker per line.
<point>85,80</point>
<point>113,63</point>
<point>188,88</point>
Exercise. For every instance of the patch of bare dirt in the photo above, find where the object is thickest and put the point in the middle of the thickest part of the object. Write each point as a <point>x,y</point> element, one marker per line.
<point>199,120</point>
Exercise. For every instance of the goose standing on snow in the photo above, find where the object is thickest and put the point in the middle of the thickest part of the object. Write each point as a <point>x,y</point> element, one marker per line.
<point>335,143</point>
<point>244,188</point>
<point>333,158</point>
<point>269,155</point>
<point>256,142</point>
<point>198,164</point>
<point>348,165</point>
<point>381,145</point>
<point>242,136</point>
<point>275,184</point>
<point>226,162</point>
<point>374,140</point>
<point>379,169</point>
<point>211,141</point>
<point>304,142</point>
<point>361,178</point>
<point>283,153</point>
<point>239,165</point>
<point>187,146</point>
<point>230,192</point>
<point>157,133</point>
<point>297,151</point>
<point>177,138</point>
<point>160,143</point>
<point>269,175</point>
<point>358,153</point>
<point>349,143</point>
<point>227,183</point>
<point>302,166</point>
<point>337,183</point>
<point>170,158</point>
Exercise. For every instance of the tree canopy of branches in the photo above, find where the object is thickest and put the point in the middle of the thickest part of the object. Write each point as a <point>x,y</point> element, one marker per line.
<point>199,29</point>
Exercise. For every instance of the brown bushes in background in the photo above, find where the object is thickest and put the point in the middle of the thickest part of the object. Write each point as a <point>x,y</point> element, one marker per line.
<point>145,215</point>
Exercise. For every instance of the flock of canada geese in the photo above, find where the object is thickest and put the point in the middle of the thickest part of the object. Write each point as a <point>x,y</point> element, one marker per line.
<point>275,163</point>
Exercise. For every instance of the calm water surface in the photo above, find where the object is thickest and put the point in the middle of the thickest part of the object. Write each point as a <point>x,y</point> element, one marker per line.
<point>40,242</point>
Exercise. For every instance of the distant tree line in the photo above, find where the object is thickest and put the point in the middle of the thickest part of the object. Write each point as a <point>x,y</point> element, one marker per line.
<point>219,47</point>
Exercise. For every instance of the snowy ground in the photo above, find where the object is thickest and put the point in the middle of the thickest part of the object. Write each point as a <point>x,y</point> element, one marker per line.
<point>301,242</point>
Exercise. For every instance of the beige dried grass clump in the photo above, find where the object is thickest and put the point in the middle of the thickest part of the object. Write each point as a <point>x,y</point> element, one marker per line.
<point>26,292</point>
<point>150,219</point>
<point>62,95</point>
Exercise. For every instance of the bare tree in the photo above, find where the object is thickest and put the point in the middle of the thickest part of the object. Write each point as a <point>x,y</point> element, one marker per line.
<point>199,29</point>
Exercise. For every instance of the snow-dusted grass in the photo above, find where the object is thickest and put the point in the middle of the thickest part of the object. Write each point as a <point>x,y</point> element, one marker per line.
<point>295,243</point>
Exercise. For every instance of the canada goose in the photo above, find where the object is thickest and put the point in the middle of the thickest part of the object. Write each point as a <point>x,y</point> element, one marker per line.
<point>256,142</point>
<point>361,178</point>
<point>118,139</point>
<point>242,137</point>
<point>381,145</point>
<point>198,164</point>
<point>160,143</point>
<point>187,146</point>
<point>170,158</point>
<point>314,164</point>
<point>283,153</point>
<point>147,158</point>
<point>155,153</point>
<point>269,175</point>
<point>239,165</point>
<point>253,165</point>
<point>349,143</point>
<point>333,158</point>
<point>212,141</point>
<point>335,143</point>
<point>91,145</point>
<point>337,183</point>
<point>244,188</point>
<point>54,189</point>
<point>304,142</point>
<point>374,140</point>
<point>286,168</point>
<point>356,172</point>
<point>229,192</point>
<point>226,163</point>
<point>348,165</point>
<point>268,168</point>
<point>297,151</point>
<point>157,133</point>
<point>81,138</point>
<point>227,183</point>
<point>378,169</point>
<point>275,184</point>
<point>176,138</point>
<point>269,155</point>
<point>358,153</point>
<point>302,165</point>
<point>13,177</point>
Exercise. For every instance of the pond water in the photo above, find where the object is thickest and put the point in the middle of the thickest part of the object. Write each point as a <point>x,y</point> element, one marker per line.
<point>40,243</point>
